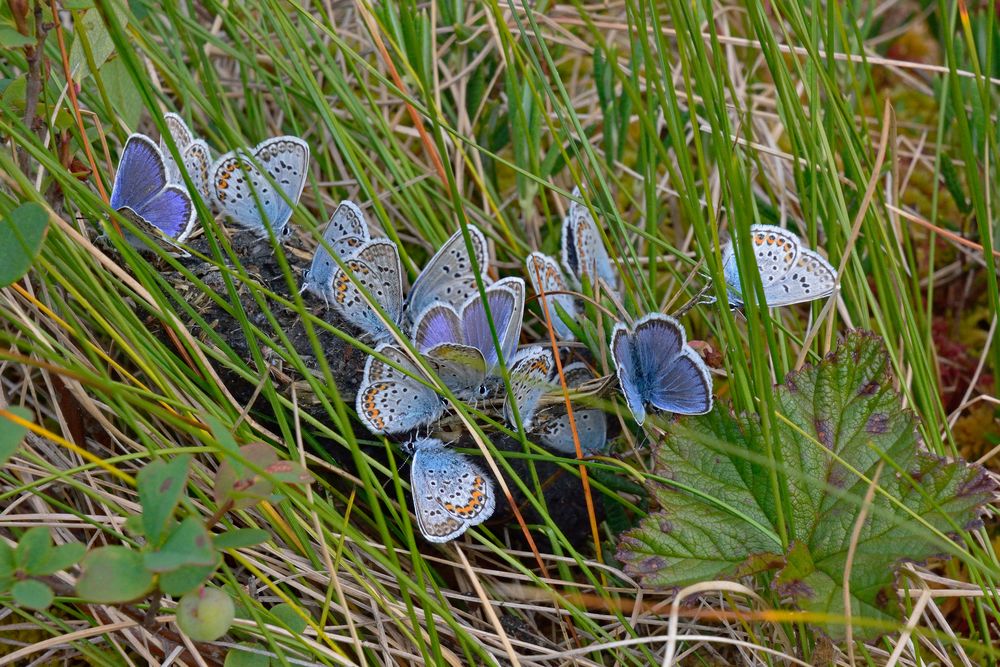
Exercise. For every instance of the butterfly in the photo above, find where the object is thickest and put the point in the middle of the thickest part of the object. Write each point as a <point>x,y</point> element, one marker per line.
<point>142,193</point>
<point>449,276</point>
<point>530,372</point>
<point>392,400</point>
<point>345,233</point>
<point>555,429</point>
<point>375,267</point>
<point>583,251</point>
<point>655,365</point>
<point>447,279</point>
<point>545,277</point>
<point>789,272</point>
<point>195,154</point>
<point>450,492</point>
<point>459,343</point>
<point>248,196</point>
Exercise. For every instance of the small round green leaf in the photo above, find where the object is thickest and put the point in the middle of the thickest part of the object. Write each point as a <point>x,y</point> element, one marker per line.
<point>34,547</point>
<point>186,579</point>
<point>32,594</point>
<point>59,558</point>
<point>161,485</point>
<point>113,574</point>
<point>289,617</point>
<point>21,234</point>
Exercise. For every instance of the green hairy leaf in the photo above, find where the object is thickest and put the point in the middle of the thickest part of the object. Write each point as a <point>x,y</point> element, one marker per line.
<point>839,422</point>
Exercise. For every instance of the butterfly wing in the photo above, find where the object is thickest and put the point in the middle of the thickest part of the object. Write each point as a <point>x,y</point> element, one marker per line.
<point>583,251</point>
<point>197,160</point>
<point>170,211</point>
<point>460,367</point>
<point>545,277</point>
<point>378,370</point>
<point>140,176</point>
<point>397,405</point>
<point>450,493</point>
<point>776,252</point>
<point>179,131</point>
<point>286,159</point>
<point>529,380</point>
<point>347,230</point>
<point>811,278</point>
<point>376,268</point>
<point>255,201</point>
<point>506,303</point>
<point>556,431</point>
<point>182,137</point>
<point>438,325</point>
<point>392,400</point>
<point>449,275</point>
<point>630,378</point>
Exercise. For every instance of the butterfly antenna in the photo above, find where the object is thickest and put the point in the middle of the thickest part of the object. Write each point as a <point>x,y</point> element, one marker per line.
<point>696,300</point>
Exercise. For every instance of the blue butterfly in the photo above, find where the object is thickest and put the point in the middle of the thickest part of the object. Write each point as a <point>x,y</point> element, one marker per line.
<point>196,156</point>
<point>248,196</point>
<point>583,251</point>
<point>789,272</point>
<point>459,344</point>
<point>546,278</point>
<point>655,365</point>
<point>142,193</point>
<point>345,234</point>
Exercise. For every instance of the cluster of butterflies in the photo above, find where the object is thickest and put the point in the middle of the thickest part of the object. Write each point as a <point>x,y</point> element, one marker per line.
<point>255,187</point>
<point>464,326</point>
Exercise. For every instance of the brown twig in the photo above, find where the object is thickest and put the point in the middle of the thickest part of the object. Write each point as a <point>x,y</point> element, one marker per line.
<point>71,87</point>
<point>34,54</point>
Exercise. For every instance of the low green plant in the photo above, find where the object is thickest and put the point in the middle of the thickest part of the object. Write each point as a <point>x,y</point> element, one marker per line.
<point>861,495</point>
